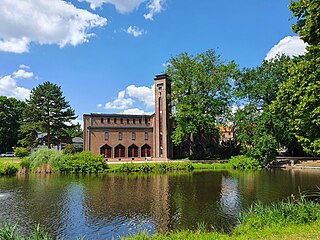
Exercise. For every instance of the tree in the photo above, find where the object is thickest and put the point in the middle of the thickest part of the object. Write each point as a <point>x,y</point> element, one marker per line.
<point>298,98</point>
<point>201,96</point>
<point>259,130</point>
<point>10,115</point>
<point>48,114</point>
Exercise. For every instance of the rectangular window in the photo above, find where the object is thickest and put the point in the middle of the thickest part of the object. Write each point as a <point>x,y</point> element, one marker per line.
<point>115,120</point>
<point>133,121</point>
<point>146,121</point>
<point>108,120</point>
<point>121,120</point>
<point>146,136</point>
<point>106,136</point>
<point>133,136</point>
<point>101,120</point>
<point>120,136</point>
<point>140,120</point>
<point>128,120</point>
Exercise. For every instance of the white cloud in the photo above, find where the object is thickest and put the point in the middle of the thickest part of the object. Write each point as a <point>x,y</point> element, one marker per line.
<point>121,102</point>
<point>154,7</point>
<point>144,94</point>
<point>76,121</point>
<point>9,88</point>
<point>44,22</point>
<point>130,96</point>
<point>99,105</point>
<point>22,74</point>
<point>122,6</point>
<point>165,65</point>
<point>135,111</point>
<point>290,46</point>
<point>24,66</point>
<point>127,6</point>
<point>135,31</point>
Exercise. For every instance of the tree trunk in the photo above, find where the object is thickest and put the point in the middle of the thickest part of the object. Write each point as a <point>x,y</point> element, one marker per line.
<point>191,144</point>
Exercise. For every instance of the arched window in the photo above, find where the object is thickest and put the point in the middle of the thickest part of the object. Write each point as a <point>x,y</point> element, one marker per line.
<point>106,151</point>
<point>133,151</point>
<point>146,151</point>
<point>119,151</point>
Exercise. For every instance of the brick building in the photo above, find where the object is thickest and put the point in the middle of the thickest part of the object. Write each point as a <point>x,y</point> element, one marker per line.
<point>133,137</point>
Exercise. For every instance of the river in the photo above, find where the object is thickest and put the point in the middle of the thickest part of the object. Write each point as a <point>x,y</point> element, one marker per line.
<point>116,205</point>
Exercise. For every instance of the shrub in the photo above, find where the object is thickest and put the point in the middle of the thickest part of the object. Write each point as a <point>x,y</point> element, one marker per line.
<point>45,159</point>
<point>243,162</point>
<point>84,162</point>
<point>8,169</point>
<point>69,149</point>
<point>21,152</point>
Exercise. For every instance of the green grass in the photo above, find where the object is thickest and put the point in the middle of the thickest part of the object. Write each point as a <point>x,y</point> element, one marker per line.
<point>296,218</point>
<point>207,166</point>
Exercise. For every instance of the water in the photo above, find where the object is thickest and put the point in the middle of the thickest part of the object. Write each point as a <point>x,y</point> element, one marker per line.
<point>113,205</point>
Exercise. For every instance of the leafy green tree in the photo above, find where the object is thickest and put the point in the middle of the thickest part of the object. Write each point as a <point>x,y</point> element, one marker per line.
<point>10,115</point>
<point>201,96</point>
<point>298,98</point>
<point>48,113</point>
<point>259,130</point>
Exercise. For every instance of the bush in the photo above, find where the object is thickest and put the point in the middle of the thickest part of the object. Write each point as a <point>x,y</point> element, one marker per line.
<point>243,162</point>
<point>8,169</point>
<point>84,162</point>
<point>69,149</point>
<point>45,160</point>
<point>21,152</point>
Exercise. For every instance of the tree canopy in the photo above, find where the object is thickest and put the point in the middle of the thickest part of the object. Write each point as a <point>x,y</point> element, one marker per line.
<point>298,97</point>
<point>201,95</point>
<point>10,115</point>
<point>47,116</point>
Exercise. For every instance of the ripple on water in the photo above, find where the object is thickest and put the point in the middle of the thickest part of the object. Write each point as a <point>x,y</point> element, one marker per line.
<point>4,195</point>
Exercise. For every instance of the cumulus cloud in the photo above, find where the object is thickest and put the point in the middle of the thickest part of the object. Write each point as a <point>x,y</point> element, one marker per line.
<point>22,74</point>
<point>24,66</point>
<point>133,95</point>
<point>135,111</point>
<point>44,22</point>
<point>127,6</point>
<point>154,7</point>
<point>121,102</point>
<point>290,46</point>
<point>144,94</point>
<point>135,31</point>
<point>122,6</point>
<point>77,121</point>
<point>9,88</point>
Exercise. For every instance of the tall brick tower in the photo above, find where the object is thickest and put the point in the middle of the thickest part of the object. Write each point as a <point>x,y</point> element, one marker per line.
<point>162,131</point>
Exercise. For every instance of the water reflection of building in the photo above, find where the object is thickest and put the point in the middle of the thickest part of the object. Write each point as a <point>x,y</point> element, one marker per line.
<point>133,199</point>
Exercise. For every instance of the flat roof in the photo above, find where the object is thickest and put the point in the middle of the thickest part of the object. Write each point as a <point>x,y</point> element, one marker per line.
<point>117,115</point>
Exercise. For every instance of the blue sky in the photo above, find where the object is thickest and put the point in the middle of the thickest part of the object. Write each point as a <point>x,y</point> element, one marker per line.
<point>105,53</point>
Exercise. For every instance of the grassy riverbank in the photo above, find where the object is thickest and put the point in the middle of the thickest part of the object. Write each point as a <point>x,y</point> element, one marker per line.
<point>49,161</point>
<point>296,218</point>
